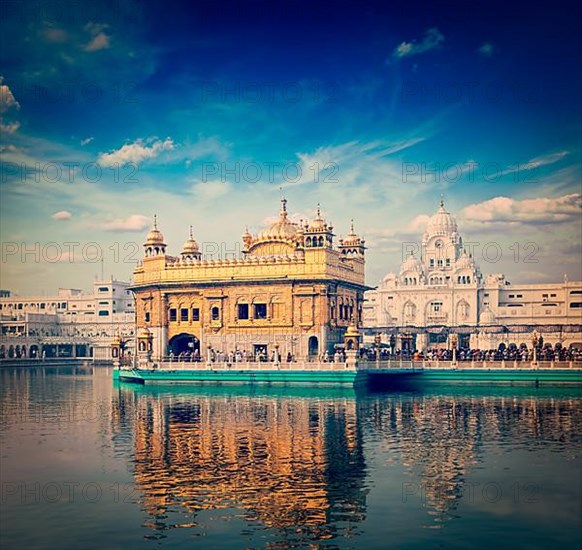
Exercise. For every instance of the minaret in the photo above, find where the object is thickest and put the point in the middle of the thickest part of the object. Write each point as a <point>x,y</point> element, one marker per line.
<point>155,245</point>
<point>318,234</point>
<point>352,245</point>
<point>191,250</point>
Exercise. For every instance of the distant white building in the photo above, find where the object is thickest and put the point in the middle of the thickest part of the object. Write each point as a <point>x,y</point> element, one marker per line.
<point>443,292</point>
<point>68,324</point>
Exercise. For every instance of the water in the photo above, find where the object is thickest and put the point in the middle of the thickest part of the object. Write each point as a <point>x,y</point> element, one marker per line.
<point>89,464</point>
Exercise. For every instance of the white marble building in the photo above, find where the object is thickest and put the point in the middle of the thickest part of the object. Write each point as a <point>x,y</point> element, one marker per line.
<point>70,323</point>
<point>443,292</point>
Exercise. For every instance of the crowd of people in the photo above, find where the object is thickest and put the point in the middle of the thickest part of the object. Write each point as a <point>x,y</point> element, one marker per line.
<point>512,352</point>
<point>244,356</point>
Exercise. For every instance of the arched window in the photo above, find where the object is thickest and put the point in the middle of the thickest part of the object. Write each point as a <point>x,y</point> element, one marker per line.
<point>215,313</point>
<point>320,241</point>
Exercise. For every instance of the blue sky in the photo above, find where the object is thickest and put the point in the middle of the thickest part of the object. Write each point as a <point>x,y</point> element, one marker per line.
<point>372,109</point>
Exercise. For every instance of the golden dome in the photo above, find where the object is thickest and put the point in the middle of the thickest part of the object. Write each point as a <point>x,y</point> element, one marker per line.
<point>318,223</point>
<point>143,333</point>
<point>190,246</point>
<point>155,237</point>
<point>352,238</point>
<point>282,229</point>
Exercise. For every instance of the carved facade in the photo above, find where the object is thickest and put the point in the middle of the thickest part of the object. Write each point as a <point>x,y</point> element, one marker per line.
<point>292,291</point>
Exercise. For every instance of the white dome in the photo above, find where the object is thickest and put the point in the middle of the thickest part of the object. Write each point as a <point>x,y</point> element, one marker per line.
<point>412,264</point>
<point>441,223</point>
<point>465,262</point>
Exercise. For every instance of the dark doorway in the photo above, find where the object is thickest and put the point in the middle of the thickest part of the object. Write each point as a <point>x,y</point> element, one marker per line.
<point>183,343</point>
<point>313,346</point>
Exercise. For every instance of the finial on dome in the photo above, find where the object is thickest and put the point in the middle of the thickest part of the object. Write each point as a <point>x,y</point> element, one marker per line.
<point>191,236</point>
<point>352,227</point>
<point>155,221</point>
<point>442,200</point>
<point>318,210</point>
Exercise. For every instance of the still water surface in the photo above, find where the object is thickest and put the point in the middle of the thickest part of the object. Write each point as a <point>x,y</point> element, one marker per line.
<point>86,463</point>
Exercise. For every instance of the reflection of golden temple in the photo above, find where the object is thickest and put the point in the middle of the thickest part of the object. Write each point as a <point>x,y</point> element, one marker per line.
<point>280,460</point>
<point>292,462</point>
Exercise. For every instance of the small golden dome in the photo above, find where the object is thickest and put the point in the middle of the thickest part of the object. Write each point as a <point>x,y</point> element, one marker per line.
<point>155,237</point>
<point>190,246</point>
<point>318,223</point>
<point>143,333</point>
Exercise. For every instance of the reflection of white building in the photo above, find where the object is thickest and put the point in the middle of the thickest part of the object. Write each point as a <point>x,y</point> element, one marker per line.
<point>70,323</point>
<point>443,291</point>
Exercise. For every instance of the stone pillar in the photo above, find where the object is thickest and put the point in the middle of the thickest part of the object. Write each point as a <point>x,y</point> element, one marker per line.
<point>116,351</point>
<point>144,348</point>
<point>352,346</point>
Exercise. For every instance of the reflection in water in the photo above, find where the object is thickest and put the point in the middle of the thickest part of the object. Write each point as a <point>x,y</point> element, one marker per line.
<point>288,463</point>
<point>259,467</point>
<point>297,463</point>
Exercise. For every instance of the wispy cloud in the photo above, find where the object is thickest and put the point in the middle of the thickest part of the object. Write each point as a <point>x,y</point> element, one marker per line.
<point>546,159</point>
<point>133,223</point>
<point>86,141</point>
<point>136,152</point>
<point>432,39</point>
<point>62,215</point>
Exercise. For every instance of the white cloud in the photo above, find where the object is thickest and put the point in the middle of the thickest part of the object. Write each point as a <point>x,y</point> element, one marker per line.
<point>487,49</point>
<point>135,222</point>
<point>62,215</point>
<point>99,40</point>
<point>542,210</point>
<point>7,99</point>
<point>432,39</point>
<point>7,103</point>
<point>9,127</point>
<point>136,152</point>
<point>86,141</point>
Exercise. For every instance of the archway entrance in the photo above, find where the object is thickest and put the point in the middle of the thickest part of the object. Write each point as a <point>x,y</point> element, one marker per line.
<point>184,343</point>
<point>312,346</point>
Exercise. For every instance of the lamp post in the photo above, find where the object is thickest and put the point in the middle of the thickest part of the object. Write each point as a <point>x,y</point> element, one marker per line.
<point>454,342</point>
<point>534,341</point>
<point>377,341</point>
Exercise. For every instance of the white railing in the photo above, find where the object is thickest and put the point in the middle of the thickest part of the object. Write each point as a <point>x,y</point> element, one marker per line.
<point>251,365</point>
<point>462,365</point>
